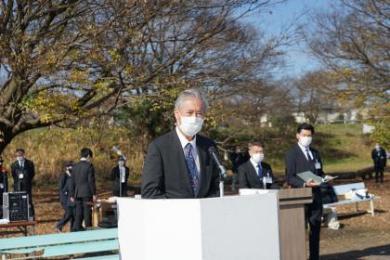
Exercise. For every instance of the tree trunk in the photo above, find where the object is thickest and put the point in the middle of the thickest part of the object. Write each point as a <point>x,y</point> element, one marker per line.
<point>5,139</point>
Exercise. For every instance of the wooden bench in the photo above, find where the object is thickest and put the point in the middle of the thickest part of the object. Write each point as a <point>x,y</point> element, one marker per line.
<point>342,190</point>
<point>102,242</point>
<point>22,226</point>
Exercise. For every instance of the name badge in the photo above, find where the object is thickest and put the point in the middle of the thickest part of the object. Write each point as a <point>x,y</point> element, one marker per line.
<point>21,176</point>
<point>318,165</point>
<point>268,180</point>
<point>1,186</point>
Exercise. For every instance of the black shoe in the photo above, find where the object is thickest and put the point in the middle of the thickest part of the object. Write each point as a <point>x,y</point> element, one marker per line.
<point>58,229</point>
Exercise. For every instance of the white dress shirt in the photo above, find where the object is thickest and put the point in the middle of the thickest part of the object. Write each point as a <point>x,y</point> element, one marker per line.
<point>122,174</point>
<point>255,165</point>
<point>304,149</point>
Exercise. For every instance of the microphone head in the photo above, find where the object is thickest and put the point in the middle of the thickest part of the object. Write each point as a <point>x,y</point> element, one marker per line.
<point>212,149</point>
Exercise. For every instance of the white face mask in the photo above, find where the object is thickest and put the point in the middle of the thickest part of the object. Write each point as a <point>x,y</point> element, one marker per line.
<point>305,141</point>
<point>121,163</point>
<point>191,125</point>
<point>257,157</point>
<point>20,158</point>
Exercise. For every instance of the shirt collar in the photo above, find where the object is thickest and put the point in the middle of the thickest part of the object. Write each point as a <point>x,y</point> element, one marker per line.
<point>254,163</point>
<point>183,139</point>
<point>303,148</point>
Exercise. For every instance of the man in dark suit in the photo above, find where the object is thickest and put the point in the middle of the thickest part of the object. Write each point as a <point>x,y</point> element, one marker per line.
<point>83,190</point>
<point>23,172</point>
<point>300,158</point>
<point>379,158</point>
<point>178,164</point>
<point>65,188</point>
<point>254,173</point>
<point>119,176</point>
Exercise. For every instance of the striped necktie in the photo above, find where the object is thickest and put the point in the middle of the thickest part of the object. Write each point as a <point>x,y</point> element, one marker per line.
<point>191,167</point>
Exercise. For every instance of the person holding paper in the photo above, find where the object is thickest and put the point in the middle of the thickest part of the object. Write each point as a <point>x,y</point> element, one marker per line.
<point>301,158</point>
<point>178,164</point>
<point>255,173</point>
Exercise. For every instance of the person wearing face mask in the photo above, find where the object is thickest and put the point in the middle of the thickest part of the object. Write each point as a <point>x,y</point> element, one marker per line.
<point>379,157</point>
<point>255,173</point>
<point>23,172</point>
<point>3,184</point>
<point>119,176</point>
<point>178,164</point>
<point>300,158</point>
<point>67,203</point>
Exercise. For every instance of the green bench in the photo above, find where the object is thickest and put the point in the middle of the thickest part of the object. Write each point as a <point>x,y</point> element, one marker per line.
<point>101,242</point>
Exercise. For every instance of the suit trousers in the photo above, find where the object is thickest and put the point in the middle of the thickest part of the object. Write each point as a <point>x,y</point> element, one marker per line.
<point>314,214</point>
<point>83,213</point>
<point>379,169</point>
<point>68,216</point>
<point>31,205</point>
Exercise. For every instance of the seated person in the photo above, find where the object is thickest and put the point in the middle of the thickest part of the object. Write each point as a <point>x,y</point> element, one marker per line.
<point>255,173</point>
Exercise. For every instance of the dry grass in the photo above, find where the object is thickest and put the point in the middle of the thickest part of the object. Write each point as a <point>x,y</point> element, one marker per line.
<point>49,147</point>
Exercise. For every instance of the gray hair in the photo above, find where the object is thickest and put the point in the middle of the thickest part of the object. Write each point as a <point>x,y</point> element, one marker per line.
<point>189,94</point>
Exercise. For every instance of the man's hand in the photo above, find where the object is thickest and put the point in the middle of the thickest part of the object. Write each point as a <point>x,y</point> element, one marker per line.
<point>311,183</point>
<point>94,198</point>
<point>71,199</point>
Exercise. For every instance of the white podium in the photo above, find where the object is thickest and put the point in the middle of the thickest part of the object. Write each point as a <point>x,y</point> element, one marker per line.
<point>228,228</point>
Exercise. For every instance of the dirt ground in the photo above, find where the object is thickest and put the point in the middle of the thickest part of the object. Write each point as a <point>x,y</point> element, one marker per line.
<point>361,235</point>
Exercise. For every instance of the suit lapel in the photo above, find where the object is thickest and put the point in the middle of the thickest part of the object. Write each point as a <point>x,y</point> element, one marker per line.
<point>252,170</point>
<point>308,165</point>
<point>177,150</point>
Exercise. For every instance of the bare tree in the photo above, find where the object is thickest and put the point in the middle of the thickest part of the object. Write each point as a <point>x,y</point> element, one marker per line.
<point>353,41</point>
<point>63,60</point>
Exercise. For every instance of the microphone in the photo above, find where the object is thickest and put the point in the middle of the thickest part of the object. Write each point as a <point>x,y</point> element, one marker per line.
<point>116,150</point>
<point>214,155</point>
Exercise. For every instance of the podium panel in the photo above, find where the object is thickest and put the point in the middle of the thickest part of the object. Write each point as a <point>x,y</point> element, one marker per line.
<point>229,228</point>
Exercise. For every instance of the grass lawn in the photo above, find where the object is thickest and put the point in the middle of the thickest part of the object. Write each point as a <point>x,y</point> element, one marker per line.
<point>343,148</point>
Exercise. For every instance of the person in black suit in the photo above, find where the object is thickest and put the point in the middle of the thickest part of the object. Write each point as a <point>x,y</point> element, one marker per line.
<point>300,158</point>
<point>67,203</point>
<point>254,173</point>
<point>119,176</point>
<point>379,158</point>
<point>83,189</point>
<point>23,172</point>
<point>3,184</point>
<point>237,158</point>
<point>178,164</point>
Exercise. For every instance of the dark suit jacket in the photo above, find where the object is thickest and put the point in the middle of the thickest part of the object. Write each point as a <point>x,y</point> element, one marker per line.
<point>248,177</point>
<point>28,171</point>
<point>296,162</point>
<point>379,158</point>
<point>65,190</point>
<point>165,171</point>
<point>115,177</point>
<point>83,176</point>
<point>3,182</point>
